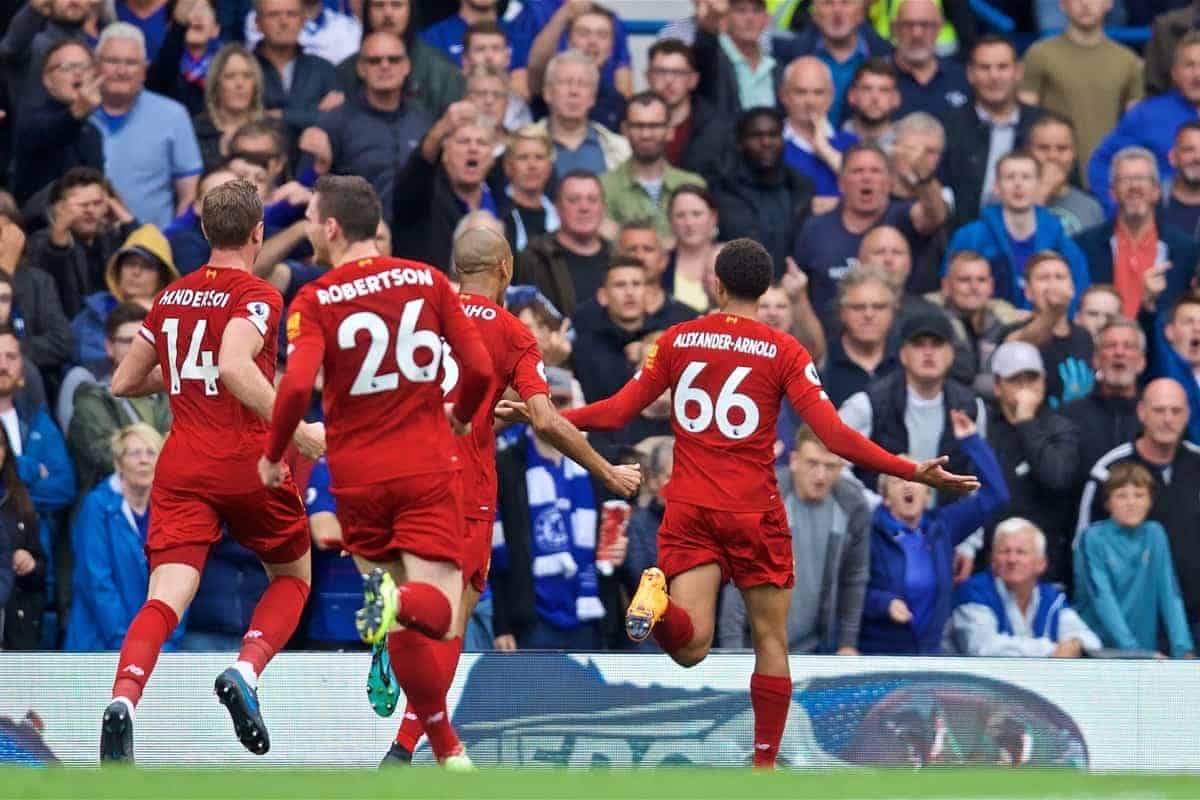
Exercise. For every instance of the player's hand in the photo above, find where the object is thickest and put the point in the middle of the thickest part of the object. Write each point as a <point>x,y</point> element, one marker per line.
<point>898,611</point>
<point>310,439</point>
<point>505,642</point>
<point>271,472</point>
<point>963,425</point>
<point>511,412</point>
<point>459,428</point>
<point>624,479</point>
<point>964,565</point>
<point>933,473</point>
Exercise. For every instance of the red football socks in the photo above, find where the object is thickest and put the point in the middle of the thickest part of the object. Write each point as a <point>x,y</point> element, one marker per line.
<point>424,608</point>
<point>274,621</point>
<point>770,696</point>
<point>447,653</point>
<point>417,667</point>
<point>139,652</point>
<point>674,631</point>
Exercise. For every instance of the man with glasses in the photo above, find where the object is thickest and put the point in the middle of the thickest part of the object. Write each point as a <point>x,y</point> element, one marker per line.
<point>150,148</point>
<point>926,82</point>
<point>1139,240</point>
<point>52,132</point>
<point>641,188</point>
<point>485,44</point>
<point>697,140</point>
<point>374,131</point>
<point>866,308</point>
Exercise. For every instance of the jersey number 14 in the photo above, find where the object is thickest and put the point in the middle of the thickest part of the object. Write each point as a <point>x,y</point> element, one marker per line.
<point>197,365</point>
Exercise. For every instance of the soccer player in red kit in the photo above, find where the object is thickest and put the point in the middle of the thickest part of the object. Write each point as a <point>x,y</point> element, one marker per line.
<point>376,324</point>
<point>728,374</point>
<point>484,265</point>
<point>210,342</point>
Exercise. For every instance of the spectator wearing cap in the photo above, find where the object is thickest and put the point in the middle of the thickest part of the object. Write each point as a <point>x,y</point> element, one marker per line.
<point>1066,348</point>
<point>908,411</point>
<point>1038,450</point>
<point>150,148</point>
<point>136,274</point>
<point>1174,464</point>
<point>546,593</point>
<point>1008,610</point>
<point>642,186</point>
<point>830,525</point>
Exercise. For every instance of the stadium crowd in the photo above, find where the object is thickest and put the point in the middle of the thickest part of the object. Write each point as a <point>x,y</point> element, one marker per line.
<point>988,248</point>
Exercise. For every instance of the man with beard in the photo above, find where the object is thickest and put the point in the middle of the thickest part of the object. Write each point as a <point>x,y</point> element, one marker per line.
<point>1183,203</point>
<point>1109,413</point>
<point>52,133</point>
<point>444,179</point>
<point>697,139</point>
<point>761,197</point>
<point>642,186</point>
<point>872,101</point>
<point>1175,346</point>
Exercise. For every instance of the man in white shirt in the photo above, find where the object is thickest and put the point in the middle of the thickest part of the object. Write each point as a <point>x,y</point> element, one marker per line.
<point>1008,611</point>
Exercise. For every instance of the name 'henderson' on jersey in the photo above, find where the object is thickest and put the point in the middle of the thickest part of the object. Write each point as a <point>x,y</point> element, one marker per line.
<point>215,441</point>
<point>376,325</point>
<point>728,375</point>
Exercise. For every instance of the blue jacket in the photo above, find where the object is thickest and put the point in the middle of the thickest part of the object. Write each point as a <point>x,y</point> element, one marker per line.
<point>943,528</point>
<point>87,328</point>
<point>988,237</point>
<point>42,444</point>
<point>1152,124</point>
<point>981,588</point>
<point>1164,361</point>
<point>111,572</point>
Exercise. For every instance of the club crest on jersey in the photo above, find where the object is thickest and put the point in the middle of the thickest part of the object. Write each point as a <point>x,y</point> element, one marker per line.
<point>210,273</point>
<point>293,325</point>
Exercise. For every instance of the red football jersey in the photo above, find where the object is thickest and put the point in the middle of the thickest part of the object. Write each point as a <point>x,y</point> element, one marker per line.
<point>215,441</point>
<point>377,326</point>
<point>518,363</point>
<point>728,376</point>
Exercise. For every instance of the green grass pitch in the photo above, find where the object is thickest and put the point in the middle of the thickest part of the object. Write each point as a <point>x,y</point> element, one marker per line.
<point>667,784</point>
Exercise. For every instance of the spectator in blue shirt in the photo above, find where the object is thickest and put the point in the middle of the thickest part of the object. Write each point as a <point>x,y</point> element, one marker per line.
<point>927,82</point>
<point>151,17</point>
<point>1153,122</point>
<point>448,35</point>
<point>812,146</point>
<point>336,584</point>
<point>150,149</point>
<point>911,585</point>
<point>1125,582</point>
<point>109,539</point>
<point>841,37</point>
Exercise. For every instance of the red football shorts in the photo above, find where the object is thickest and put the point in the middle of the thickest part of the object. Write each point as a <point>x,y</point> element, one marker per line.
<point>271,523</point>
<point>477,552</point>
<point>418,514</point>
<point>753,548</point>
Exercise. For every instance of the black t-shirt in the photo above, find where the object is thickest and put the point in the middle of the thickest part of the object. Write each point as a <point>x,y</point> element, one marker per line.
<point>827,251</point>
<point>1056,352</point>
<point>533,223</point>
<point>587,273</point>
<point>1186,218</point>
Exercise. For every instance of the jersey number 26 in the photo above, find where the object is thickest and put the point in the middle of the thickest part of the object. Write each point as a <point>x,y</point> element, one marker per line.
<point>408,341</point>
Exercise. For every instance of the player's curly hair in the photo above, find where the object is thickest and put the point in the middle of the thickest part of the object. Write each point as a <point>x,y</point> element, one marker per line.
<point>745,269</point>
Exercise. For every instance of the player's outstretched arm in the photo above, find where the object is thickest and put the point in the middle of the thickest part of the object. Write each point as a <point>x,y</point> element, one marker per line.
<point>139,373</point>
<point>566,438</point>
<point>619,410</point>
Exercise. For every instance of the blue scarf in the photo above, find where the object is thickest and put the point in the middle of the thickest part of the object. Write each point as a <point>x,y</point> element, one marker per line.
<point>195,70</point>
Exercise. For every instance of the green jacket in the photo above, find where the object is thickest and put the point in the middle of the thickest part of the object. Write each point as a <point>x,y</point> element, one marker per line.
<point>98,415</point>
<point>628,201</point>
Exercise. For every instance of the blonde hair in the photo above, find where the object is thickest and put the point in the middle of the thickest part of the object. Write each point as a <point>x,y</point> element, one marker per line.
<point>140,429</point>
<point>532,132</point>
<point>212,86</point>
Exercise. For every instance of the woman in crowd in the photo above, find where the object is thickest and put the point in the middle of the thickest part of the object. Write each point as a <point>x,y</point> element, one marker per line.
<point>19,543</point>
<point>109,537</point>
<point>693,218</point>
<point>233,96</point>
<point>911,584</point>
